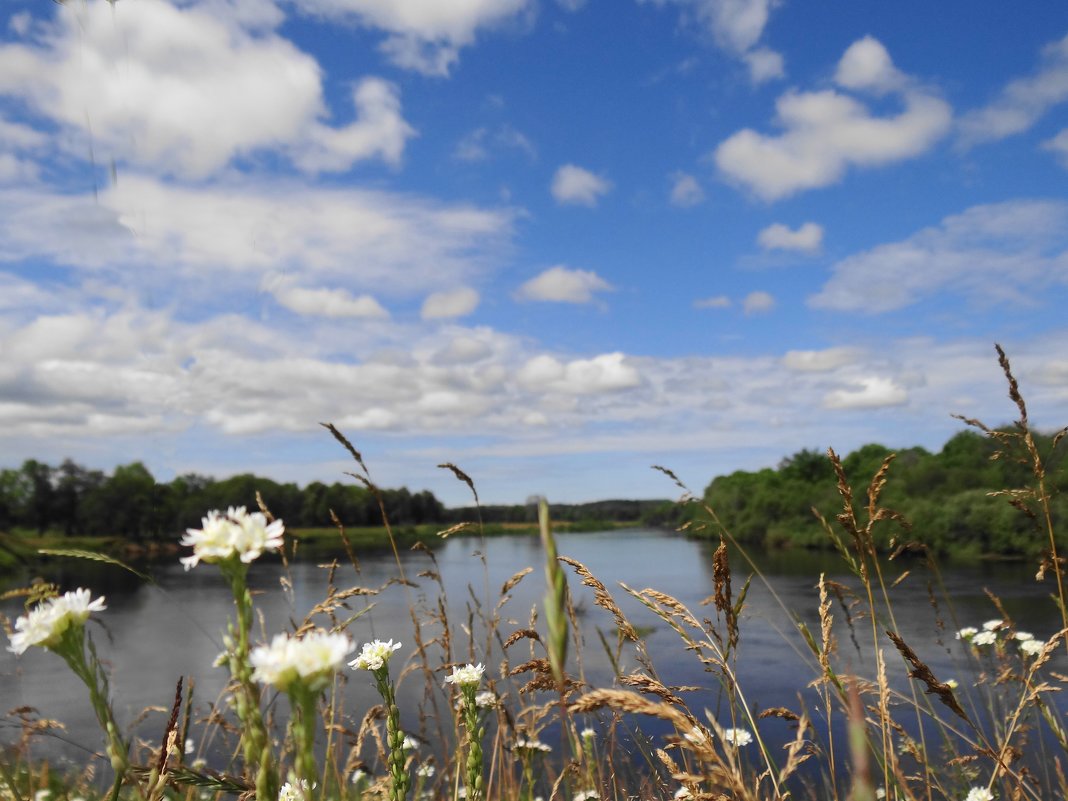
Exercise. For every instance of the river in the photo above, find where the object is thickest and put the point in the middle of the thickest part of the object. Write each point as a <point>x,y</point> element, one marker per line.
<point>153,633</point>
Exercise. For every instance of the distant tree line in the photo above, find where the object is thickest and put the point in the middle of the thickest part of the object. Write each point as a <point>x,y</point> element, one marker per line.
<point>944,496</point>
<point>131,504</point>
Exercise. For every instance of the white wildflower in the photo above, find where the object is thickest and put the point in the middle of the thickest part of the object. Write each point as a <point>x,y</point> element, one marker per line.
<point>587,795</point>
<point>296,790</point>
<point>409,743</point>
<point>1024,635</point>
<point>45,623</point>
<point>967,633</point>
<point>190,746</point>
<point>42,795</point>
<point>588,733</point>
<point>461,793</point>
<point>466,676</point>
<point>683,793</point>
<point>532,744</point>
<point>358,776</point>
<point>313,659</point>
<point>880,792</point>
<point>993,625</point>
<point>737,737</point>
<point>426,770</point>
<point>984,638</point>
<point>236,533</point>
<point>374,655</point>
<point>1032,647</point>
<point>979,794</point>
<point>487,699</point>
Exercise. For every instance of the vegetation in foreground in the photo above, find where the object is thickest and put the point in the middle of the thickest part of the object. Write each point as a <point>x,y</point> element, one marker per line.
<point>496,693</point>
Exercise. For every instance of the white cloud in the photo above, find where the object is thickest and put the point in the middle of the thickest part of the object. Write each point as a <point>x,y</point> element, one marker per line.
<point>866,66</point>
<point>450,303</point>
<point>481,143</point>
<point>332,303</point>
<point>577,186</point>
<point>1004,252</point>
<point>563,285</point>
<point>188,89</point>
<point>150,232</point>
<point>736,26</point>
<point>758,303</point>
<point>764,65</point>
<point>685,191</point>
<point>1021,103</point>
<point>870,392</point>
<point>1058,146</point>
<point>423,35</point>
<point>820,361</point>
<point>714,302</point>
<point>807,238</point>
<point>606,373</point>
<point>827,132</point>
<point>379,131</point>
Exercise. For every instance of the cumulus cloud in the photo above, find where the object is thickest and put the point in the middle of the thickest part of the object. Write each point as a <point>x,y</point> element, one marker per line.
<point>606,373</point>
<point>807,238</point>
<point>870,392</point>
<point>758,303</point>
<point>357,239</point>
<point>866,66</point>
<point>423,36</point>
<point>764,65</point>
<point>563,285</point>
<point>820,361</point>
<point>379,131</point>
<point>450,303</point>
<point>736,26</point>
<point>685,191</point>
<point>186,90</point>
<point>827,132</point>
<point>321,302</point>
<point>577,186</point>
<point>1021,103</point>
<point>993,253</point>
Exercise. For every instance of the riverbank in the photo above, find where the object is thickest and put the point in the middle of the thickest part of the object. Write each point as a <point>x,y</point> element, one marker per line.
<point>21,547</point>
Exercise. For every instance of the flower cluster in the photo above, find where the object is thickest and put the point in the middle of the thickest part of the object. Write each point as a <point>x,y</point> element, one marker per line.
<point>989,636</point>
<point>236,533</point>
<point>296,790</point>
<point>45,623</point>
<point>466,676</point>
<point>979,794</point>
<point>374,655</point>
<point>531,745</point>
<point>313,659</point>
<point>737,737</point>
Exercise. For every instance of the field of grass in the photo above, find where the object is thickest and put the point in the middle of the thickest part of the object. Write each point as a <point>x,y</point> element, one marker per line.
<point>506,713</point>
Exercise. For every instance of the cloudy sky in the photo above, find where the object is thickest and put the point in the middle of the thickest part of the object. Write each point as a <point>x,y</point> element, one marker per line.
<point>552,241</point>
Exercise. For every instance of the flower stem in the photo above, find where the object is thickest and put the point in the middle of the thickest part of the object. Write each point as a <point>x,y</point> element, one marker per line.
<point>254,742</point>
<point>398,790</point>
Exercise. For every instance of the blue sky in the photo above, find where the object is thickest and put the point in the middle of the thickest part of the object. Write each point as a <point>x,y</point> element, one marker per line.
<point>552,241</point>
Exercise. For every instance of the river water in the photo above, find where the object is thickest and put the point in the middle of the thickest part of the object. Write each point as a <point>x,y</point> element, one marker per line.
<point>153,633</point>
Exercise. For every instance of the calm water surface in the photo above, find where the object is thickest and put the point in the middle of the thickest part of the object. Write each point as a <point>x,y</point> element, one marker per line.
<point>152,634</point>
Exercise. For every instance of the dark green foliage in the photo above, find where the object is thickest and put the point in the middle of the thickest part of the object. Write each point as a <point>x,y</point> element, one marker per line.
<point>945,497</point>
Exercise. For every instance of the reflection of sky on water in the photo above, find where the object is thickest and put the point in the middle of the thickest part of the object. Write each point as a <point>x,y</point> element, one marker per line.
<point>151,635</point>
